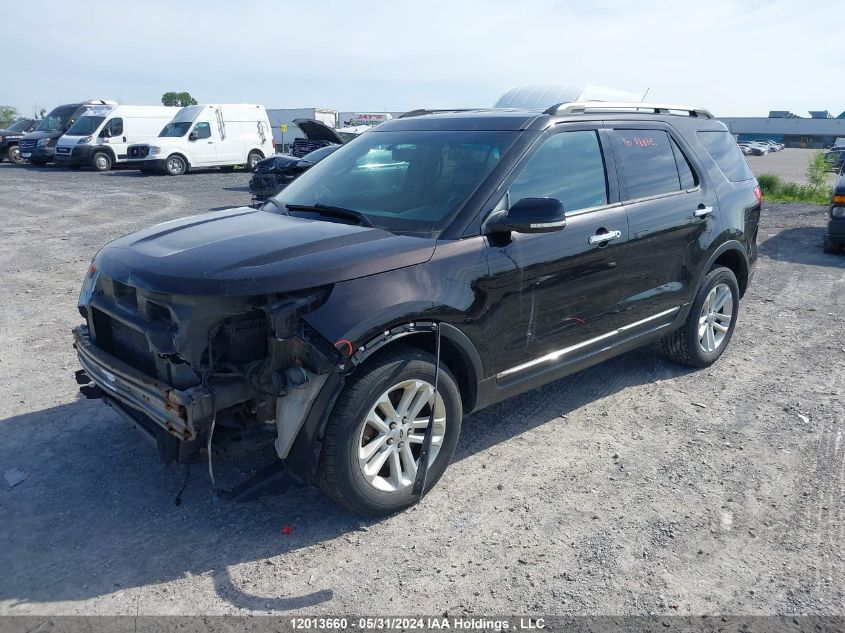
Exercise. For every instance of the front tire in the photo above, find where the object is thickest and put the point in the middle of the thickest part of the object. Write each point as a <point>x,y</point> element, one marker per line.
<point>101,161</point>
<point>175,165</point>
<point>374,435</point>
<point>710,324</point>
<point>14,155</point>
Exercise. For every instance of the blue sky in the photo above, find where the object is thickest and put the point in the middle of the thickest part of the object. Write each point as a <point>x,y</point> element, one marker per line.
<point>735,58</point>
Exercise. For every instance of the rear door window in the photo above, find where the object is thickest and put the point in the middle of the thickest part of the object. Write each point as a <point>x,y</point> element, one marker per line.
<point>727,155</point>
<point>569,167</point>
<point>647,162</point>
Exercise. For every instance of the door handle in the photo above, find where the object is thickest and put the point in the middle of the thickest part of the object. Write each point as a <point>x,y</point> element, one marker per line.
<point>603,238</point>
<point>702,211</point>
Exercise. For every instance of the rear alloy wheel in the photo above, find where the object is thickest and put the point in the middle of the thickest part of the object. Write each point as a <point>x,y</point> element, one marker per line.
<point>371,449</point>
<point>175,165</point>
<point>710,323</point>
<point>14,155</point>
<point>101,161</point>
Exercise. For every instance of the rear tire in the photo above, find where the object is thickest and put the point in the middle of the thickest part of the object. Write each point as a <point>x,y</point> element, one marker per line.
<point>830,248</point>
<point>14,155</point>
<point>101,161</point>
<point>380,483</point>
<point>175,165</point>
<point>710,324</point>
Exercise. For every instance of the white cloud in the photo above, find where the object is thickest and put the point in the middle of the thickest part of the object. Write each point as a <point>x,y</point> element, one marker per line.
<point>733,57</point>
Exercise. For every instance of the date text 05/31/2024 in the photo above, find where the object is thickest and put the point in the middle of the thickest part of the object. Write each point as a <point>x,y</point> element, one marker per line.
<point>418,623</point>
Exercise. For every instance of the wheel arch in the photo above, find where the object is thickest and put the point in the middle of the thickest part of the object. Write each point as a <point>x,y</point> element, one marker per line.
<point>731,255</point>
<point>106,150</point>
<point>457,352</point>
<point>183,156</point>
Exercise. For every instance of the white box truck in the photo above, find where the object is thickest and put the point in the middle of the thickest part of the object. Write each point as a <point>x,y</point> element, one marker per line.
<point>207,136</point>
<point>101,136</point>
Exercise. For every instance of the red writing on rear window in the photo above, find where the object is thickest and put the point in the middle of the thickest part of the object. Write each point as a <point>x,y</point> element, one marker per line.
<point>639,141</point>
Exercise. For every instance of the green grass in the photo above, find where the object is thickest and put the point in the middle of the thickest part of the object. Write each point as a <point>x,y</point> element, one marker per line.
<point>776,189</point>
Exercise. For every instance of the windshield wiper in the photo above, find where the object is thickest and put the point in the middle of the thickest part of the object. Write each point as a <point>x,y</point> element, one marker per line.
<point>325,209</point>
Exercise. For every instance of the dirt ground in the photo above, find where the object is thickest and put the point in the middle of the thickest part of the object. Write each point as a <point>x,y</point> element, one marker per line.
<point>634,487</point>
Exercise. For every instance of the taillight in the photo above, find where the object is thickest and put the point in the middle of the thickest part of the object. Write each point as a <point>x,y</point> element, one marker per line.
<point>758,193</point>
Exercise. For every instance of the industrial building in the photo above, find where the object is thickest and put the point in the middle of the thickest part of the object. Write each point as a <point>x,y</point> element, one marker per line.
<point>818,131</point>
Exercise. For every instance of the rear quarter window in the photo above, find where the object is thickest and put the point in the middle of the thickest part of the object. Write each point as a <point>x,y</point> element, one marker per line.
<point>724,150</point>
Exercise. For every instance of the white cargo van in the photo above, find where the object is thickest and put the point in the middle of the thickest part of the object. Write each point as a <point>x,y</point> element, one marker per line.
<point>207,136</point>
<point>101,136</point>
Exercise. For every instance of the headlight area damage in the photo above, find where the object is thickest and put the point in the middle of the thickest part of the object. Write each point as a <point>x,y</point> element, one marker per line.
<point>174,363</point>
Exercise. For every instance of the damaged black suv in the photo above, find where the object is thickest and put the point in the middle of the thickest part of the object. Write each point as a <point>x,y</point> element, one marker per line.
<point>433,266</point>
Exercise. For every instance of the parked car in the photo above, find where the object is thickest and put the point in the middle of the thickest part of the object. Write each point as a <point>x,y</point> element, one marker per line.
<point>834,239</point>
<point>207,136</point>
<point>101,136</point>
<point>39,146</point>
<point>431,267</point>
<point>273,174</point>
<point>745,149</point>
<point>773,146</point>
<point>835,159</point>
<point>838,143</point>
<point>757,149</point>
<point>318,134</point>
<point>11,136</point>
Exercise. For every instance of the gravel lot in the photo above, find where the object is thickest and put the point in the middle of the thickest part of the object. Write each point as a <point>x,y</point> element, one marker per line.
<point>790,164</point>
<point>636,486</point>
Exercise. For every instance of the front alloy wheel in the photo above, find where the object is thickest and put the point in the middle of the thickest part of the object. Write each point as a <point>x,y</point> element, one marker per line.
<point>373,439</point>
<point>392,434</point>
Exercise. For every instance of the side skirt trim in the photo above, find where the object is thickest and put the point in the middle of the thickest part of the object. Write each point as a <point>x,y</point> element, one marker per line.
<point>553,356</point>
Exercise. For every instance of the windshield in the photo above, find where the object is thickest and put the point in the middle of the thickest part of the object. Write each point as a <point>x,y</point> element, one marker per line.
<point>57,120</point>
<point>176,129</point>
<point>85,125</point>
<point>407,182</point>
<point>19,126</point>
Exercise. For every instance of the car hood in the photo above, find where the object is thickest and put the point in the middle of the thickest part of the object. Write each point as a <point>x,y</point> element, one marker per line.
<point>244,251</point>
<point>5,132</point>
<point>37,136</point>
<point>318,131</point>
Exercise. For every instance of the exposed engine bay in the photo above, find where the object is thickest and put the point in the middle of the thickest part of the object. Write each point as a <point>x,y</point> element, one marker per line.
<point>247,369</point>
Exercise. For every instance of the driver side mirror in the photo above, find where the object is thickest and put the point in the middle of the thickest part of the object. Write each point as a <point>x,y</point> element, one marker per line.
<point>106,132</point>
<point>193,136</point>
<point>530,215</point>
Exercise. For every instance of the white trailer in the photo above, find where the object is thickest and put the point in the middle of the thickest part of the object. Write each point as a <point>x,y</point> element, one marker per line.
<point>284,128</point>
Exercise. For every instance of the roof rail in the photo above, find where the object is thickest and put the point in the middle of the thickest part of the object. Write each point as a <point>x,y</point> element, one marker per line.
<point>422,111</point>
<point>613,106</point>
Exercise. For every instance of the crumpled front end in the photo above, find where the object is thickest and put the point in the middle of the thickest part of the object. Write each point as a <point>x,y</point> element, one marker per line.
<point>173,363</point>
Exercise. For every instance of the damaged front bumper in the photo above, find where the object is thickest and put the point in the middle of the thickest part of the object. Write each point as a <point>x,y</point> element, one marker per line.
<point>181,413</point>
